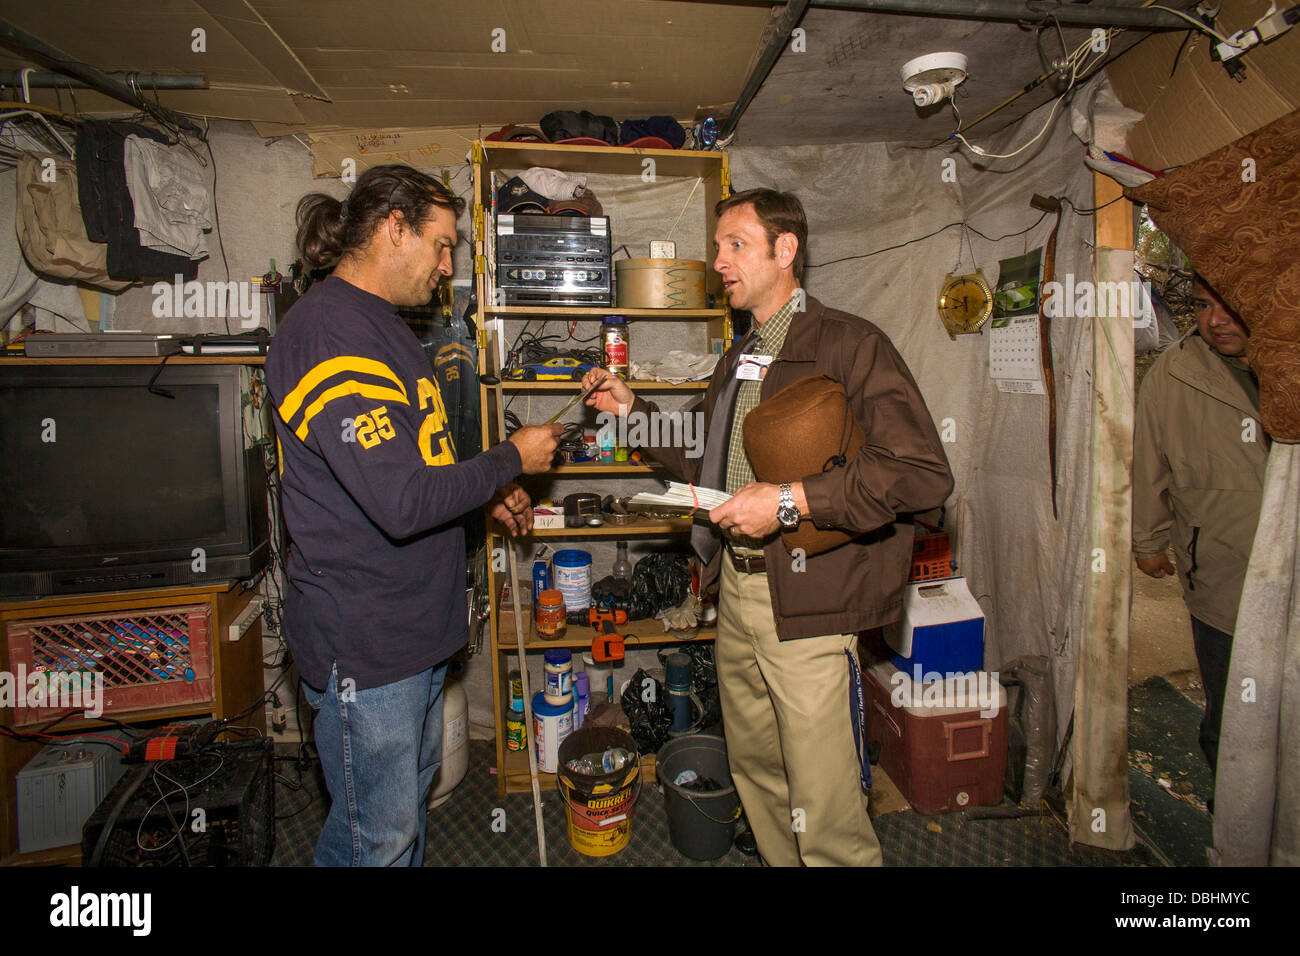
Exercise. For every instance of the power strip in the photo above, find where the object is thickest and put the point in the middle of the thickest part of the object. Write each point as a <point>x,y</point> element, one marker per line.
<point>246,619</point>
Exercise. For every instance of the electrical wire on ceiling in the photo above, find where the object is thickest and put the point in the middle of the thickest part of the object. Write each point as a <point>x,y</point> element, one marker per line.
<point>1200,25</point>
<point>967,226</point>
<point>1073,61</point>
<point>1077,63</point>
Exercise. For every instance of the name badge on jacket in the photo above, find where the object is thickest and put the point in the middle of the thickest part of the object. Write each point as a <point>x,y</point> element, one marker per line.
<point>753,368</point>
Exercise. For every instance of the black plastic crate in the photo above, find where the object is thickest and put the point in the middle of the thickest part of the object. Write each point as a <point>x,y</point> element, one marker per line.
<point>232,783</point>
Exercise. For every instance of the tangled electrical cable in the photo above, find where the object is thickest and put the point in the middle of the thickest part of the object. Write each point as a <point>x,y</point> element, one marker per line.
<point>529,348</point>
<point>1077,64</point>
<point>571,442</point>
<point>164,798</point>
<point>571,445</point>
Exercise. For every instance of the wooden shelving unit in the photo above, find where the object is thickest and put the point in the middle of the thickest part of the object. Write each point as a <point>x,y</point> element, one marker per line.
<point>617,468</point>
<point>641,528</point>
<point>648,633</point>
<point>713,171</point>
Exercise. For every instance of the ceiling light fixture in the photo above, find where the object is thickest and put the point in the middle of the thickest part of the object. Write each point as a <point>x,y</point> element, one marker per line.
<point>934,77</point>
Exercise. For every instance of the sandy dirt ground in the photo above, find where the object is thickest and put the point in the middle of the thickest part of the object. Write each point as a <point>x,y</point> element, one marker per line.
<point>1160,634</point>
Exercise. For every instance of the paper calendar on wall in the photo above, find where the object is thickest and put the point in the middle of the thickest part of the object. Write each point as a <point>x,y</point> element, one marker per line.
<point>1014,358</point>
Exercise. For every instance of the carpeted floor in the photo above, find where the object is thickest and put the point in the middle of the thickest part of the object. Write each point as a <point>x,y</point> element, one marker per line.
<point>1168,777</point>
<point>461,831</point>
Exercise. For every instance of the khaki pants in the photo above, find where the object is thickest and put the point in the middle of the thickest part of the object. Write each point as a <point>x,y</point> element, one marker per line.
<point>785,707</point>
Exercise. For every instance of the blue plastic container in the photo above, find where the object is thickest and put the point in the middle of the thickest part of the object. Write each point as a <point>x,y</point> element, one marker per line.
<point>572,577</point>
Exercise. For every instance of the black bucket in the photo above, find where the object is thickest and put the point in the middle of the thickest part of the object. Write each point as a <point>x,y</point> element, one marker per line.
<point>700,822</point>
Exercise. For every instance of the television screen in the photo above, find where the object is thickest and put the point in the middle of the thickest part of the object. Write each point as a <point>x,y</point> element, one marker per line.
<point>85,481</point>
<point>108,483</point>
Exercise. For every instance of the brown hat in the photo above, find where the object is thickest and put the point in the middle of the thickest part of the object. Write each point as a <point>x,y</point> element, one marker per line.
<point>804,429</point>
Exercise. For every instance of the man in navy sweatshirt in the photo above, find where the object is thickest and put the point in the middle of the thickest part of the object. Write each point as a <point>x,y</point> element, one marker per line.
<point>372,486</point>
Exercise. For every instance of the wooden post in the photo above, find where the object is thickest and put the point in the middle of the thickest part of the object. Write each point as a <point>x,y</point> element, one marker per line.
<point>1099,812</point>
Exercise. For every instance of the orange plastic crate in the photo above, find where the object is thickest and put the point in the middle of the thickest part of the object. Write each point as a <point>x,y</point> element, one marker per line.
<point>931,557</point>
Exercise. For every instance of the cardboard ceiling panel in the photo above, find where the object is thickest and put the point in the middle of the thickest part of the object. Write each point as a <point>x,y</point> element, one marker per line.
<point>410,63</point>
<point>386,28</point>
<point>298,65</point>
<point>115,35</point>
<point>253,33</point>
<point>1199,108</point>
<point>433,81</point>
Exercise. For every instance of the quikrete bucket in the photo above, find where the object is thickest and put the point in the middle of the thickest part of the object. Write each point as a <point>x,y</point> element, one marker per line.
<point>700,822</point>
<point>598,807</point>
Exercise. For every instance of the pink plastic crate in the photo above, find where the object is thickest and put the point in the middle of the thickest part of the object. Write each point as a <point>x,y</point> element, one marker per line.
<point>150,659</point>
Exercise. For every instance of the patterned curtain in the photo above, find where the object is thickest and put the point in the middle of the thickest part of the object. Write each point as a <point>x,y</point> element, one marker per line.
<point>1236,214</point>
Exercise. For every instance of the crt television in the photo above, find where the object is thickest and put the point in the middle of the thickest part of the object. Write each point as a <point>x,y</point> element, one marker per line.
<point>109,481</point>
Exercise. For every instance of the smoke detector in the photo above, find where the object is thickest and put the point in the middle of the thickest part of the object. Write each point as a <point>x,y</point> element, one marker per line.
<point>933,78</point>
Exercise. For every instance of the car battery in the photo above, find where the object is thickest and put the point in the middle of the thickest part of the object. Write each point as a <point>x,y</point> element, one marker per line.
<point>941,630</point>
<point>943,743</point>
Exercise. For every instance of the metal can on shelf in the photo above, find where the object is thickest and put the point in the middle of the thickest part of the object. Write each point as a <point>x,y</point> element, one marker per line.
<point>573,575</point>
<point>516,730</point>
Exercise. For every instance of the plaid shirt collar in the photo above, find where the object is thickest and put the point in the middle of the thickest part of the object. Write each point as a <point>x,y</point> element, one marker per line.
<point>772,333</point>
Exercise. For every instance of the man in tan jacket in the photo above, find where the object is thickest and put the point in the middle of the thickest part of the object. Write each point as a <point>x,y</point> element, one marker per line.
<point>1198,476</point>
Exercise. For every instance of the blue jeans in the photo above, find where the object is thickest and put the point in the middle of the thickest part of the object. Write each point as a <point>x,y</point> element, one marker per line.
<point>379,749</point>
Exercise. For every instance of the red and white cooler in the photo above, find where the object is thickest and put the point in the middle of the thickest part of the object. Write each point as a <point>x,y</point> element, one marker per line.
<point>944,742</point>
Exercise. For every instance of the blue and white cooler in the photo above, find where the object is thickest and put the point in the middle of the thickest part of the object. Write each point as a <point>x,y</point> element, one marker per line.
<point>941,630</point>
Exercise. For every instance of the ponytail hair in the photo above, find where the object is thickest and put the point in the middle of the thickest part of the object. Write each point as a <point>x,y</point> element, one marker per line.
<point>329,229</point>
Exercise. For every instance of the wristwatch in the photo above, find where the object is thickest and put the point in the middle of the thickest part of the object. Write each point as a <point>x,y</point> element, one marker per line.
<point>786,512</point>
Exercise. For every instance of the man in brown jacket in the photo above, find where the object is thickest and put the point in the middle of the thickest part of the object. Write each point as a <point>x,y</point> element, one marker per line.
<point>1199,453</point>
<point>787,624</point>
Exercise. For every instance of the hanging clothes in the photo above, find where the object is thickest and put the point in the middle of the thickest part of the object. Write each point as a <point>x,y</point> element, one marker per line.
<point>107,208</point>
<point>170,195</point>
<point>50,226</point>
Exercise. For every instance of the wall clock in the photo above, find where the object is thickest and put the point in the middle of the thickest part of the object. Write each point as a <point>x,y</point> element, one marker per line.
<point>965,303</point>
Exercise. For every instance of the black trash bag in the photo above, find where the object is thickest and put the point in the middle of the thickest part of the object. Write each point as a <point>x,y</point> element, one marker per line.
<point>659,581</point>
<point>650,719</point>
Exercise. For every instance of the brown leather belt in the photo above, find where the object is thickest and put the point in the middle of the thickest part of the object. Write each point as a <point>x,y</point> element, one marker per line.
<point>748,565</point>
